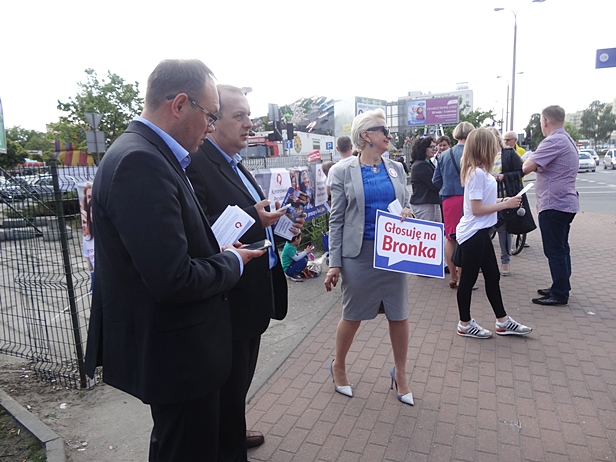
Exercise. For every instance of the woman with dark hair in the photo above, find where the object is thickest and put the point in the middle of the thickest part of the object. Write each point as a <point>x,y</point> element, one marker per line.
<point>425,199</point>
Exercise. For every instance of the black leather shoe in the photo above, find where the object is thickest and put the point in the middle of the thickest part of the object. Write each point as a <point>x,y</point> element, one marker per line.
<point>544,292</point>
<point>254,439</point>
<point>549,301</point>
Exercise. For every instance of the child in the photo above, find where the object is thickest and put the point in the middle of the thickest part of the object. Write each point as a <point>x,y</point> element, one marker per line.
<point>293,263</point>
<point>473,235</point>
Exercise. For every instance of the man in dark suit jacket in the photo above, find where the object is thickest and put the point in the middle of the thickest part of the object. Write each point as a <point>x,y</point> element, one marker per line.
<point>219,180</point>
<point>160,321</point>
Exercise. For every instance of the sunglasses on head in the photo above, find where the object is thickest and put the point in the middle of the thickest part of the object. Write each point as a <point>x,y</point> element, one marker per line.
<point>380,127</point>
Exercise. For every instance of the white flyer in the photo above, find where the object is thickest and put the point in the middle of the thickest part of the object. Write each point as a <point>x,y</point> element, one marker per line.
<point>283,227</point>
<point>231,225</point>
<point>395,207</point>
<point>525,189</point>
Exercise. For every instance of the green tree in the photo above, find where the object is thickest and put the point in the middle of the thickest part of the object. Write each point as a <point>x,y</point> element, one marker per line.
<point>534,128</point>
<point>118,103</point>
<point>598,122</point>
<point>477,118</point>
<point>573,131</point>
<point>15,155</point>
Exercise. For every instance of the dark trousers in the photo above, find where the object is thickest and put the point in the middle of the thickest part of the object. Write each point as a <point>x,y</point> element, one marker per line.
<point>185,431</point>
<point>232,441</point>
<point>297,267</point>
<point>555,226</point>
<point>478,252</point>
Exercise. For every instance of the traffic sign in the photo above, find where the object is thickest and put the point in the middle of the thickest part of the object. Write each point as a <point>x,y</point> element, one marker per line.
<point>289,144</point>
<point>606,58</point>
<point>329,145</point>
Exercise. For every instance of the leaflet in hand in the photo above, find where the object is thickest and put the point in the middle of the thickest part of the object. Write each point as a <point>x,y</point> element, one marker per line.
<point>297,202</point>
<point>395,207</point>
<point>231,225</point>
<point>525,189</point>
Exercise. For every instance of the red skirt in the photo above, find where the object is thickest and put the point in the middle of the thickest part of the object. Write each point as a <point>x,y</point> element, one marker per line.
<point>452,212</point>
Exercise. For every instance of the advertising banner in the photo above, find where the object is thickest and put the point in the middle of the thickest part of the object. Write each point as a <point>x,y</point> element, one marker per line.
<point>433,111</point>
<point>606,57</point>
<point>368,104</point>
<point>2,134</point>
<point>409,246</point>
<point>310,181</point>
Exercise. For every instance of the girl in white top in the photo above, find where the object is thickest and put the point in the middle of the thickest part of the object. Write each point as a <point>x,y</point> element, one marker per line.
<point>473,235</point>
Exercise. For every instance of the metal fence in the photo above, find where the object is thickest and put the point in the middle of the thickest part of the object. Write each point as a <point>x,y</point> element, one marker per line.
<point>257,163</point>
<point>44,279</point>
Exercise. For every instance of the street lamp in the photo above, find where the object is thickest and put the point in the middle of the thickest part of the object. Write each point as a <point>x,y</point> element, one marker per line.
<point>515,39</point>
<point>507,113</point>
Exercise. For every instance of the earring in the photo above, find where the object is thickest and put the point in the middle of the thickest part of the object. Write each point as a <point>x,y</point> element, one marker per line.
<point>371,145</point>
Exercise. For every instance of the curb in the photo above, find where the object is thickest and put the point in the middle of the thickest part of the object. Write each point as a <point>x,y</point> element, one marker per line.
<point>54,445</point>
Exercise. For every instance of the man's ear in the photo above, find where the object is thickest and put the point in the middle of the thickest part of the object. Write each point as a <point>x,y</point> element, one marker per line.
<point>180,104</point>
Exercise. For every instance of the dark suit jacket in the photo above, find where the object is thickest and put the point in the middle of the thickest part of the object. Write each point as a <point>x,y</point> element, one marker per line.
<point>160,321</point>
<point>260,289</point>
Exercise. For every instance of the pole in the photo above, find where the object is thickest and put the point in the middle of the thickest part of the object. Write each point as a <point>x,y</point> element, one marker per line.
<point>515,38</point>
<point>507,122</point>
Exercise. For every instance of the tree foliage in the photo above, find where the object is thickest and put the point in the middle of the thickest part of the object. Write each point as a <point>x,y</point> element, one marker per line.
<point>534,128</point>
<point>15,155</point>
<point>117,101</point>
<point>598,122</point>
<point>477,118</point>
<point>30,140</point>
<point>573,131</point>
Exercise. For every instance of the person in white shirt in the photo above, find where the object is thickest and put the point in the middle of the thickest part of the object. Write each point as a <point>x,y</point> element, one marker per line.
<point>344,146</point>
<point>473,236</point>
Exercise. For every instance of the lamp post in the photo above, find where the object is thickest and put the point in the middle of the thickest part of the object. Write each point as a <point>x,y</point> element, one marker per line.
<point>515,40</point>
<point>507,113</point>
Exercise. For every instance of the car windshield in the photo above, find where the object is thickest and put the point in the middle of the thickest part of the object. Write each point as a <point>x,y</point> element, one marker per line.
<point>584,155</point>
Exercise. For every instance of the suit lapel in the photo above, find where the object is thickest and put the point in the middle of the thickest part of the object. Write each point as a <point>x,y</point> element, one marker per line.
<point>165,150</point>
<point>398,187</point>
<point>226,170</point>
<point>358,185</point>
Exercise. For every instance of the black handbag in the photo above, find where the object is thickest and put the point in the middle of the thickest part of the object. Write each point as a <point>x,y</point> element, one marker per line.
<point>515,223</point>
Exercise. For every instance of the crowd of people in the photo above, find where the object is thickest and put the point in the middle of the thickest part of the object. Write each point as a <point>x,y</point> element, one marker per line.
<point>177,321</point>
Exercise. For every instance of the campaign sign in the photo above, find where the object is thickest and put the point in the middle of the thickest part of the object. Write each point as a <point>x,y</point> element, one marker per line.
<point>409,246</point>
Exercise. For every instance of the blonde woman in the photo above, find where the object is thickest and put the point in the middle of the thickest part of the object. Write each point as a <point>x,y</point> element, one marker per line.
<point>360,187</point>
<point>473,235</point>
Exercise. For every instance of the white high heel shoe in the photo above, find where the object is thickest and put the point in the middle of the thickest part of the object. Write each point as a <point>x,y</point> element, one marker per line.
<point>406,399</point>
<point>344,389</point>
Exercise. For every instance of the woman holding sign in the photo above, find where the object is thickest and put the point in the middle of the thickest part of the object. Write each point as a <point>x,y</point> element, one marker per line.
<point>360,187</point>
<point>473,235</point>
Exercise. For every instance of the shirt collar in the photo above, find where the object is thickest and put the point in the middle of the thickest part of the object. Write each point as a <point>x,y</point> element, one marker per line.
<point>178,151</point>
<point>233,160</point>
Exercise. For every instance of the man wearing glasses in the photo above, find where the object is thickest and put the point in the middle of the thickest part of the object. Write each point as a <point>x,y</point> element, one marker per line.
<point>511,140</point>
<point>160,322</point>
<point>221,180</point>
<point>556,163</point>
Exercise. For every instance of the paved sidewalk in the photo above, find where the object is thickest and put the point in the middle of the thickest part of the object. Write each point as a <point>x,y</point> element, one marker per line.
<point>546,397</point>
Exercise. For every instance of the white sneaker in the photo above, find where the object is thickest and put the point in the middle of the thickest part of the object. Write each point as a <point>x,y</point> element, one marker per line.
<point>511,327</point>
<point>473,330</point>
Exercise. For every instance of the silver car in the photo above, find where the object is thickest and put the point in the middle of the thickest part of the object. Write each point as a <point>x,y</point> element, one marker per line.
<point>609,161</point>
<point>592,153</point>
<point>587,164</point>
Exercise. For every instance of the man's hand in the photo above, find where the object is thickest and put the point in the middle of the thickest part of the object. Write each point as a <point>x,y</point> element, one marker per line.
<point>246,255</point>
<point>267,218</point>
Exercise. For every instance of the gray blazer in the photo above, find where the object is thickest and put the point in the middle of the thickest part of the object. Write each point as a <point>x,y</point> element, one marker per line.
<point>346,222</point>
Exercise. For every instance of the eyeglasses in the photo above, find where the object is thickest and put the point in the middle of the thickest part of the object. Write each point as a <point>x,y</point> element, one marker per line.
<point>211,116</point>
<point>380,127</point>
<point>509,139</point>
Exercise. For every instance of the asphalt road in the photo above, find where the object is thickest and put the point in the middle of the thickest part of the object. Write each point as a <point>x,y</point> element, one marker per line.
<point>597,191</point>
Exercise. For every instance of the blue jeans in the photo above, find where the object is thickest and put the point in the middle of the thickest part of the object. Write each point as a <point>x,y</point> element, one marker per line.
<point>296,267</point>
<point>555,226</point>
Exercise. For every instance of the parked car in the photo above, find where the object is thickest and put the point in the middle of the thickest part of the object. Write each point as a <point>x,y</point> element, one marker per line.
<point>610,160</point>
<point>592,153</point>
<point>587,164</point>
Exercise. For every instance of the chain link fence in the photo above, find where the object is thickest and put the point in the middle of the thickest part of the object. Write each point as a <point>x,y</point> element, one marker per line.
<point>44,279</point>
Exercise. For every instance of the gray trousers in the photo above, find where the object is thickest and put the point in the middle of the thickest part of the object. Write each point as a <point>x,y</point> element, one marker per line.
<point>504,239</point>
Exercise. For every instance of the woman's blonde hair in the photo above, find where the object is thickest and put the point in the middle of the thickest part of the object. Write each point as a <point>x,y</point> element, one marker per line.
<point>462,130</point>
<point>499,139</point>
<point>479,151</point>
<point>363,122</point>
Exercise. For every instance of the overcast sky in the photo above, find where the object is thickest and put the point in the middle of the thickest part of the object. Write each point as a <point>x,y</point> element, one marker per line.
<point>289,50</point>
